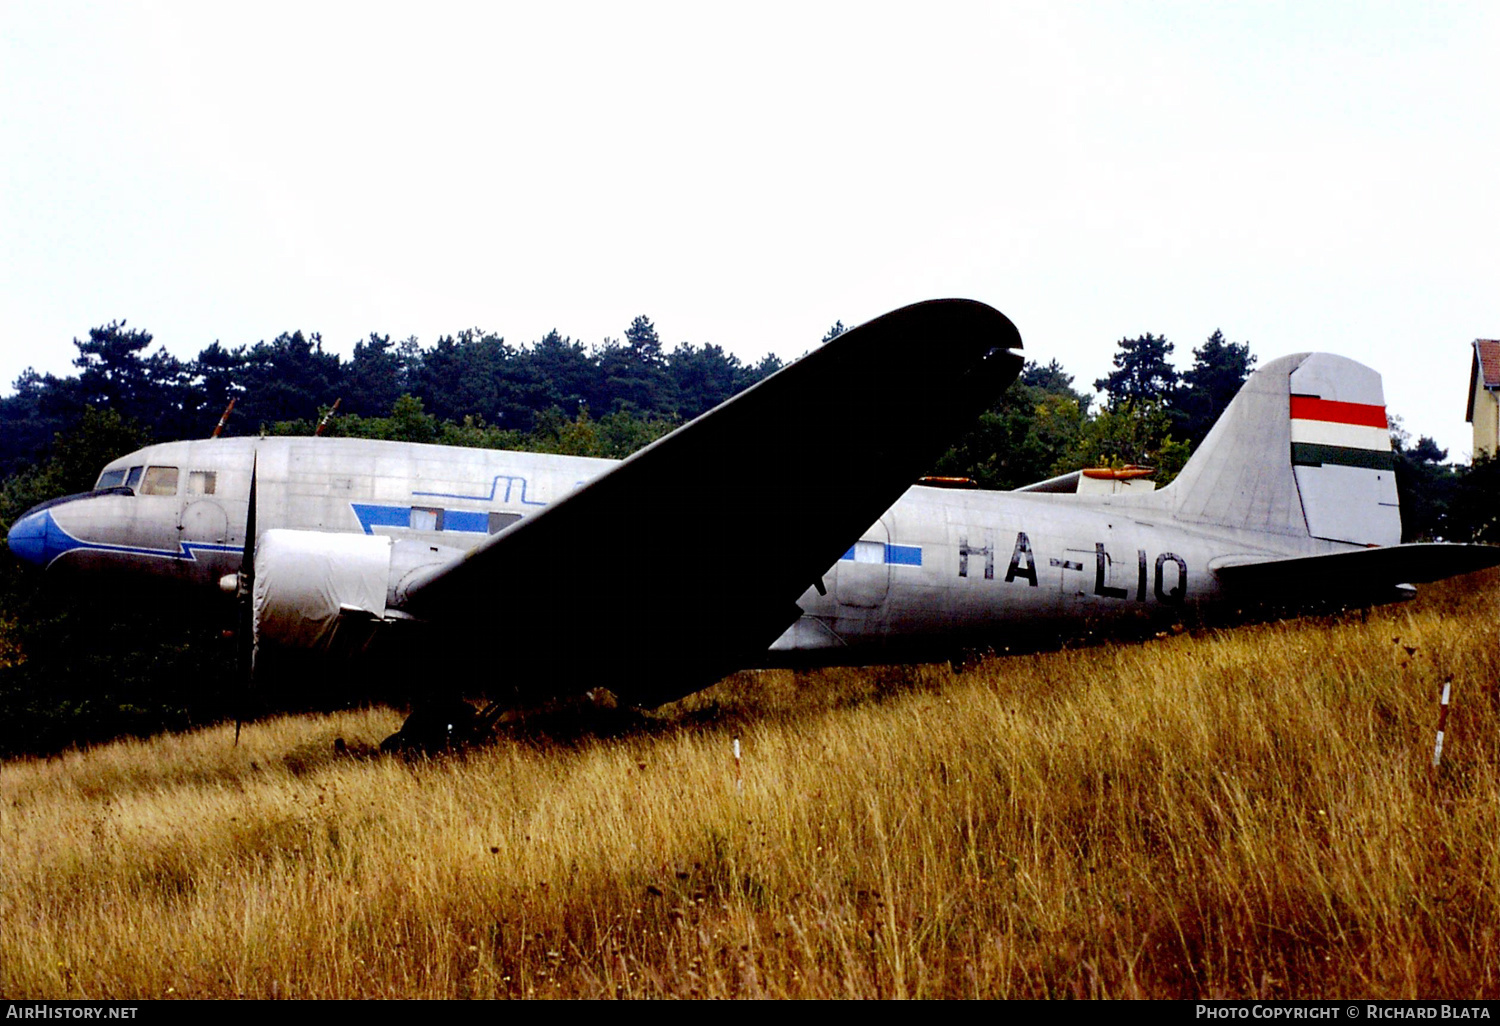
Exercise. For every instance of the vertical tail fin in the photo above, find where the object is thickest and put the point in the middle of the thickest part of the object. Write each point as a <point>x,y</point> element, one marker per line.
<point>1303,451</point>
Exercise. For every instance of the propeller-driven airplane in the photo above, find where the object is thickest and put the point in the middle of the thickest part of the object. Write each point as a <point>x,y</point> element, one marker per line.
<point>780,528</point>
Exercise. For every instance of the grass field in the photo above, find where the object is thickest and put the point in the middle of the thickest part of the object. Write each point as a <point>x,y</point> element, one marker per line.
<point>1239,813</point>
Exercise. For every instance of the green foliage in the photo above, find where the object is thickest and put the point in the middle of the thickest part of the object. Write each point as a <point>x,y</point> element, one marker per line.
<point>285,378</point>
<point>1125,434</point>
<point>1471,510</point>
<point>101,436</point>
<point>77,456</point>
<point>1429,489</point>
<point>769,364</point>
<point>1043,427</point>
<point>79,665</point>
<point>1129,434</point>
<point>113,374</point>
<point>375,378</point>
<point>1024,436</point>
<point>474,433</point>
<point>408,422</point>
<point>1219,369</point>
<point>614,436</point>
<point>30,420</point>
<point>643,341</point>
<point>1169,459</point>
<point>1052,378</point>
<point>703,377</point>
<point>278,385</point>
<point>1142,372</point>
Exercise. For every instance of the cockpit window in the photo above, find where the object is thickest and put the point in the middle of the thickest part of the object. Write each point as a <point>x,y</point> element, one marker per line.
<point>201,482</point>
<point>159,481</point>
<point>111,479</point>
<point>134,477</point>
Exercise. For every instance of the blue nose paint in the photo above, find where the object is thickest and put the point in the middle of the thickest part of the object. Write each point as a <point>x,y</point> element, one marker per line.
<point>36,538</point>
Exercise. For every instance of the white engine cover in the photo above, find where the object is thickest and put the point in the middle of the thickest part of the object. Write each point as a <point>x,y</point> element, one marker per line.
<point>304,581</point>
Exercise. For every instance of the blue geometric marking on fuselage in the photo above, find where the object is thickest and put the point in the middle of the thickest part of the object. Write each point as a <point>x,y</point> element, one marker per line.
<point>509,479</point>
<point>904,555</point>
<point>58,542</point>
<point>898,555</point>
<point>466,520</point>
<point>371,516</point>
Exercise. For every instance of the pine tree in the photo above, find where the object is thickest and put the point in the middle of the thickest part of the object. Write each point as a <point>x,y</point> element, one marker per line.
<point>1142,372</point>
<point>1219,369</point>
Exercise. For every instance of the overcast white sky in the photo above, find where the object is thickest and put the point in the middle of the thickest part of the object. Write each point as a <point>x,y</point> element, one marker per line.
<point>1301,175</point>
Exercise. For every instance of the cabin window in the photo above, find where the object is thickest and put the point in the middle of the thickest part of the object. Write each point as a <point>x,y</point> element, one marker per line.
<point>201,482</point>
<point>500,521</point>
<point>111,478</point>
<point>134,477</point>
<point>159,481</point>
<point>425,518</point>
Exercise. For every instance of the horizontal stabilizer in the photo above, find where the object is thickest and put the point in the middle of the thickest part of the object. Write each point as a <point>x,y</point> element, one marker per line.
<point>1063,484</point>
<point>1355,571</point>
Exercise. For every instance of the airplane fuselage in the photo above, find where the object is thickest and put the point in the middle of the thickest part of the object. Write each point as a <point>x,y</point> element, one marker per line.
<point>776,529</point>
<point>940,570</point>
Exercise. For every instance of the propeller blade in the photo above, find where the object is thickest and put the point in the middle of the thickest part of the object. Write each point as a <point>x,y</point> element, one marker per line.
<point>246,598</point>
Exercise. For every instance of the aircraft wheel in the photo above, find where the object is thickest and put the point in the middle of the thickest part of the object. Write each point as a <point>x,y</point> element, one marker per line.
<point>435,727</point>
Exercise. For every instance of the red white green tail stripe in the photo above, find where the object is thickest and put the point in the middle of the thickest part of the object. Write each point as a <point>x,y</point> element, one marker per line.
<point>1325,431</point>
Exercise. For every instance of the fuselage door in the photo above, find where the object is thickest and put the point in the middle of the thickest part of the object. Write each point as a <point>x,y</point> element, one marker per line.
<point>863,576</point>
<point>203,519</point>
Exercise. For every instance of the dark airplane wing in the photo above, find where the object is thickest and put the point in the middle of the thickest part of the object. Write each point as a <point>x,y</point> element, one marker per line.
<point>685,561</point>
<point>1357,571</point>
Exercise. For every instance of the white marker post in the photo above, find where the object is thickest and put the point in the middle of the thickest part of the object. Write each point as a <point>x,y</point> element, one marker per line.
<point>739,778</point>
<point>1437,751</point>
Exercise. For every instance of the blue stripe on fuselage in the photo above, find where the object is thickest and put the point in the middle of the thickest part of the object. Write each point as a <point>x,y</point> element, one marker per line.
<point>43,540</point>
<point>898,555</point>
<point>371,516</point>
<point>466,520</point>
<point>904,555</point>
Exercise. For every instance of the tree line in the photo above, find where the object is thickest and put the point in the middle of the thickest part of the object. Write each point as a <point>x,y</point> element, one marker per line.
<point>474,388</point>
<point>557,395</point>
<point>473,377</point>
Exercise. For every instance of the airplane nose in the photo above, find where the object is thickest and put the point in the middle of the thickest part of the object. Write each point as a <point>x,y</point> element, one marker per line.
<point>29,538</point>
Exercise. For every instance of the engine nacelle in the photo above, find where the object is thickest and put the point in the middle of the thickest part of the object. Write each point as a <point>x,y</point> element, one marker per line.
<point>305,581</point>
<point>311,586</point>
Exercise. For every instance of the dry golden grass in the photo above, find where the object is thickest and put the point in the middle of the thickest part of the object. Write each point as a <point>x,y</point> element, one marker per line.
<point>1238,813</point>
